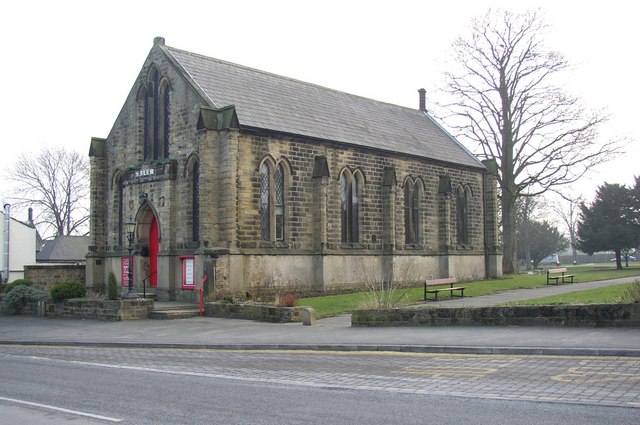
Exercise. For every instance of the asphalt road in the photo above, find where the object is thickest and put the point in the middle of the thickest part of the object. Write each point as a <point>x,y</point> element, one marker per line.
<point>178,386</point>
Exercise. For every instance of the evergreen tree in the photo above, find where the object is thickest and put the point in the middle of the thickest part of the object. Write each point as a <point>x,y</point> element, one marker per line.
<point>609,223</point>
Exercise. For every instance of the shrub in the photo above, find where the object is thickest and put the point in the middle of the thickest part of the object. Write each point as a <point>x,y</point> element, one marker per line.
<point>8,287</point>
<point>66,290</point>
<point>288,300</point>
<point>112,287</point>
<point>632,294</point>
<point>18,297</point>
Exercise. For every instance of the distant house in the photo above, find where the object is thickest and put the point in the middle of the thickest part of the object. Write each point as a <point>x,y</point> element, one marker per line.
<point>266,183</point>
<point>19,244</point>
<point>64,250</point>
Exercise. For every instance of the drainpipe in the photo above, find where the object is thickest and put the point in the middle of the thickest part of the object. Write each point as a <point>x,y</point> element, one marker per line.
<point>7,222</point>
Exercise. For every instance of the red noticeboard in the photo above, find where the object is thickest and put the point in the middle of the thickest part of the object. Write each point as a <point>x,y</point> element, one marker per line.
<point>125,261</point>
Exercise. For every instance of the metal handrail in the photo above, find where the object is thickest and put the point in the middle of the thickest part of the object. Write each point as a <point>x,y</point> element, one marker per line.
<point>144,284</point>
<point>201,292</point>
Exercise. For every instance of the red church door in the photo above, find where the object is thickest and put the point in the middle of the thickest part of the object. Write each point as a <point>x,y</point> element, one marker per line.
<point>153,253</point>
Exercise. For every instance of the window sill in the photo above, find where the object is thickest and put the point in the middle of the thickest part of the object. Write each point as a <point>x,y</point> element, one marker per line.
<point>279,244</point>
<point>352,246</point>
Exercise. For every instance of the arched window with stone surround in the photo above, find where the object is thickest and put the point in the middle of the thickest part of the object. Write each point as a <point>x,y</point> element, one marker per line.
<point>412,212</point>
<point>195,201</point>
<point>350,195</point>
<point>265,201</point>
<point>157,94</point>
<point>463,196</point>
<point>118,204</point>
<point>163,113</point>
<point>279,202</point>
<point>273,195</point>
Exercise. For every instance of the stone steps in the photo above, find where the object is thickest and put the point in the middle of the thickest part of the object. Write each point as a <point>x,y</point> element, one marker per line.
<point>172,314</point>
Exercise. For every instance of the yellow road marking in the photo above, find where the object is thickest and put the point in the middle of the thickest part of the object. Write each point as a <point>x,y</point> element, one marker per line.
<point>588,375</point>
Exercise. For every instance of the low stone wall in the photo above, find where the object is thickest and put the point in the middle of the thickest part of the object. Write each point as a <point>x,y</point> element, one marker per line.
<point>259,312</point>
<point>109,310</point>
<point>591,315</point>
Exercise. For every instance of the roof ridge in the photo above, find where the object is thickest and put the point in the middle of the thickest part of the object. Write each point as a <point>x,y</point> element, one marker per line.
<point>284,77</point>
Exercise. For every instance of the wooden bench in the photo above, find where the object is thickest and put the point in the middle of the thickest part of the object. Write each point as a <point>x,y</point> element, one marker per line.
<point>428,287</point>
<point>557,275</point>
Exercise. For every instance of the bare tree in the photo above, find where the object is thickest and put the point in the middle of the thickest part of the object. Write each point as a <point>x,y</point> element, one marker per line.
<point>569,213</point>
<point>505,104</point>
<point>55,183</point>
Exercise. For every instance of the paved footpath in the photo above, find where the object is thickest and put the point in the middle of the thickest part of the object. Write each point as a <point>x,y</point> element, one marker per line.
<point>336,333</point>
<point>532,293</point>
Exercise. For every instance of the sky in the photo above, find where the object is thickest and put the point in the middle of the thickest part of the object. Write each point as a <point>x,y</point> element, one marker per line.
<point>67,66</point>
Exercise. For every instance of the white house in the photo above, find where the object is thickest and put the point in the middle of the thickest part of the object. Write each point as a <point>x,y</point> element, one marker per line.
<point>18,246</point>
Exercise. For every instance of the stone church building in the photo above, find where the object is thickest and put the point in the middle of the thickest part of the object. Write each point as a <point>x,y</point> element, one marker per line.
<point>268,184</point>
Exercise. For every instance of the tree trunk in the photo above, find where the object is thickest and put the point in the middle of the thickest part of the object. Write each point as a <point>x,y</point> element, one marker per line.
<point>509,196</point>
<point>509,252</point>
<point>618,259</point>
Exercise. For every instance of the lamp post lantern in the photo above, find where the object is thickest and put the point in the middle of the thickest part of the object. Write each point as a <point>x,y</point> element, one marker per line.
<point>131,232</point>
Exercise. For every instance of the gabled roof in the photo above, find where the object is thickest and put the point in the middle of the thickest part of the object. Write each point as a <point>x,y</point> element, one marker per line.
<point>267,101</point>
<point>64,249</point>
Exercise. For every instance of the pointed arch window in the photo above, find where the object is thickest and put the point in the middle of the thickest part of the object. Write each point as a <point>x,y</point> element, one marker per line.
<point>156,116</point>
<point>265,202</point>
<point>195,201</point>
<point>118,203</point>
<point>273,194</point>
<point>279,198</point>
<point>462,215</point>
<point>412,212</point>
<point>350,207</point>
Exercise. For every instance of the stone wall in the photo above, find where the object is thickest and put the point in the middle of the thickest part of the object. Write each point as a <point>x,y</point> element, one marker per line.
<point>261,313</point>
<point>592,315</point>
<point>107,310</point>
<point>45,276</point>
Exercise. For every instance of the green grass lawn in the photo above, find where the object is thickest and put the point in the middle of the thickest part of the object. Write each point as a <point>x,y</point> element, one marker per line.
<point>334,305</point>
<point>609,295</point>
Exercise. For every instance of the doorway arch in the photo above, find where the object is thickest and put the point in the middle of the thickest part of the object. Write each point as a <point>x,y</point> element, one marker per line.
<point>149,242</point>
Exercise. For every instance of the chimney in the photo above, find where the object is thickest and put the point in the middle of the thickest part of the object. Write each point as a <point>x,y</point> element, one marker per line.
<point>422,93</point>
<point>30,215</point>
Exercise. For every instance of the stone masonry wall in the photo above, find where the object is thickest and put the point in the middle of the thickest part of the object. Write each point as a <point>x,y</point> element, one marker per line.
<point>553,315</point>
<point>45,276</point>
<point>300,208</point>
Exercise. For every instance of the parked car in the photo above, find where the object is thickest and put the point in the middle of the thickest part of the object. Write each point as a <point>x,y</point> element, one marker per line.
<point>550,260</point>
<point>623,259</point>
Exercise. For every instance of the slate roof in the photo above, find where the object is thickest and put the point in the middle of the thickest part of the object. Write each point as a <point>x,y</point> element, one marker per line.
<point>64,249</point>
<point>272,102</point>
